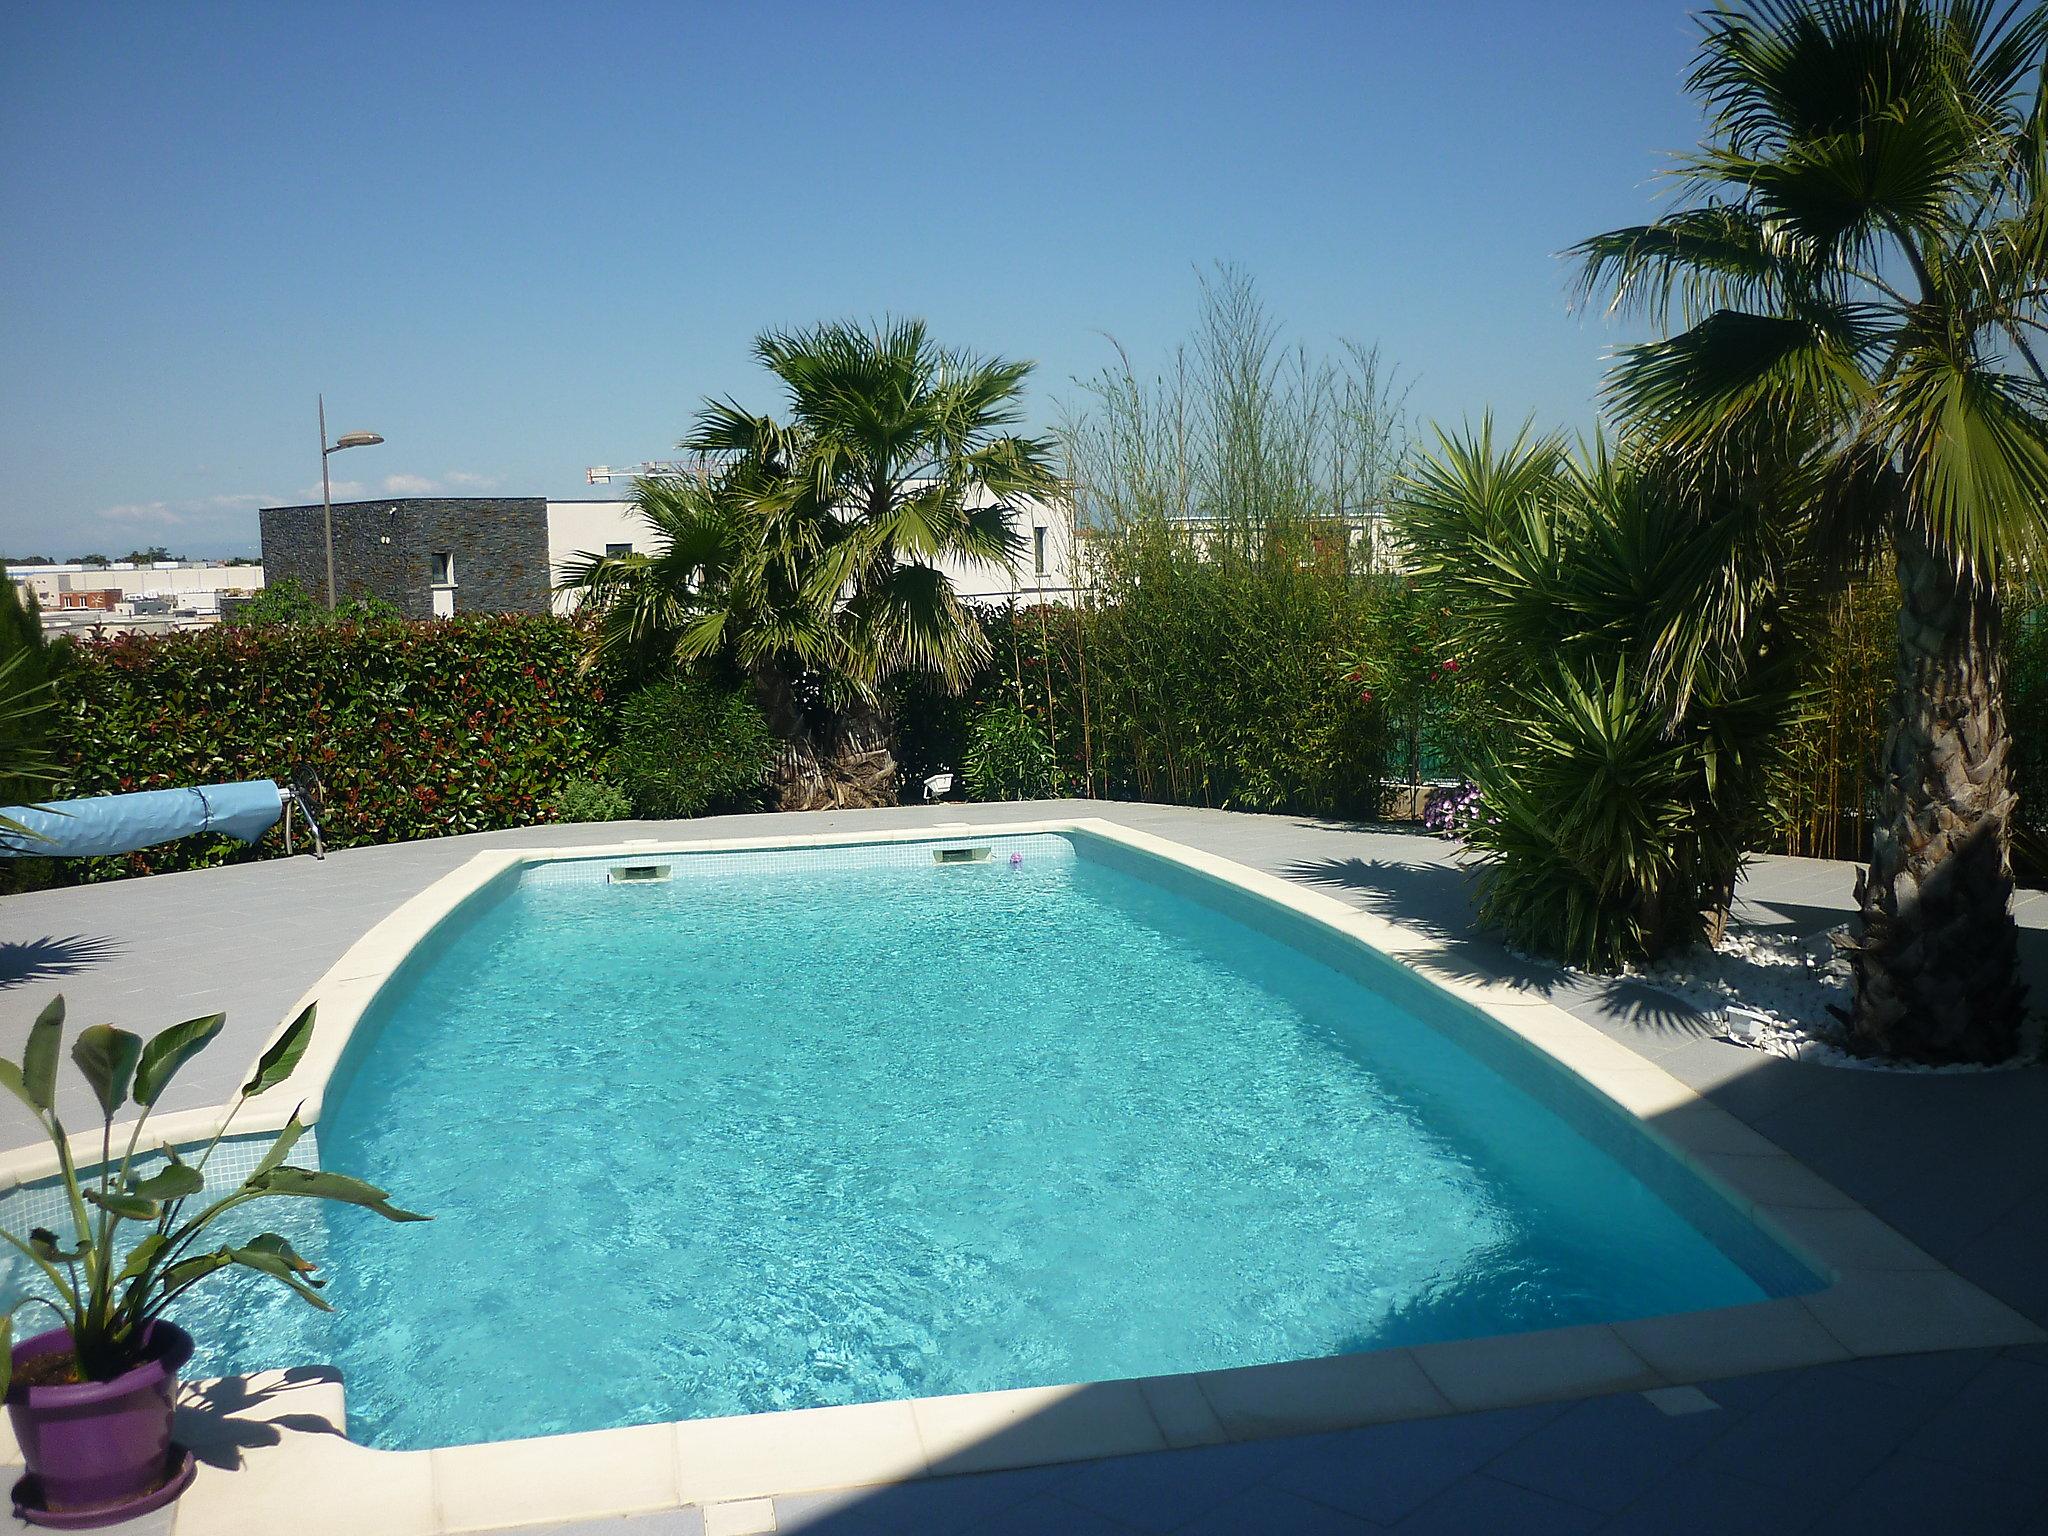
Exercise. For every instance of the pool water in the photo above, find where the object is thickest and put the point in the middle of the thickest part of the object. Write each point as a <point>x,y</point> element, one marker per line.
<point>825,1127</point>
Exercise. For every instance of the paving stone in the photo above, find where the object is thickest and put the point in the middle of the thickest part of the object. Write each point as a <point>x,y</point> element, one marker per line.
<point>1604,1453</point>
<point>1994,1425</point>
<point>1909,1497</point>
<point>1821,1435</point>
<point>1693,1501</point>
<point>1162,1491</point>
<point>1388,1471</point>
<point>1487,1504</point>
<point>940,1506</point>
<point>1049,1513</point>
<point>1259,1510</point>
<point>1940,1375</point>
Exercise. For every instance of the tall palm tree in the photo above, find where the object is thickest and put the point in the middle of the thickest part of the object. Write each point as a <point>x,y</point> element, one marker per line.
<point>809,555</point>
<point>1858,262</point>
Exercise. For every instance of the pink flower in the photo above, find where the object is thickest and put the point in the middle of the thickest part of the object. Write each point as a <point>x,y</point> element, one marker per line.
<point>1450,666</point>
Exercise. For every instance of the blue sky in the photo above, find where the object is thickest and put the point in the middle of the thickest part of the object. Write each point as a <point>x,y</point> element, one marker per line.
<point>521,239</point>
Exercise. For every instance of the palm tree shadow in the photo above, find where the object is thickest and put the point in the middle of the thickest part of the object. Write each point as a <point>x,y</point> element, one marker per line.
<point>23,961</point>
<point>1433,899</point>
<point>221,1421</point>
<point>1630,1000</point>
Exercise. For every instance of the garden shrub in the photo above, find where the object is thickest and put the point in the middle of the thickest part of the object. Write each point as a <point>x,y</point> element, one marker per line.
<point>287,602</point>
<point>692,743</point>
<point>409,730</point>
<point>1008,758</point>
<point>591,800</point>
<point>2026,723</point>
<point>1621,792</point>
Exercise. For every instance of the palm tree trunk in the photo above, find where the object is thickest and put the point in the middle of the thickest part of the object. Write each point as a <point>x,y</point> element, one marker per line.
<point>1937,961</point>
<point>860,761</point>
<point>843,766</point>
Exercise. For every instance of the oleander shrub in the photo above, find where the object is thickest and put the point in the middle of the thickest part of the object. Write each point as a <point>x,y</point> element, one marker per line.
<point>591,800</point>
<point>1453,811</point>
<point>407,730</point>
<point>692,743</point>
<point>1008,758</point>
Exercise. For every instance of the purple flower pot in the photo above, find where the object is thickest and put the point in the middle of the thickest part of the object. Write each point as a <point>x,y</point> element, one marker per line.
<point>99,1451</point>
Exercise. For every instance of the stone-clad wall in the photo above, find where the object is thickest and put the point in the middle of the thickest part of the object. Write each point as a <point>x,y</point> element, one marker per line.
<point>384,549</point>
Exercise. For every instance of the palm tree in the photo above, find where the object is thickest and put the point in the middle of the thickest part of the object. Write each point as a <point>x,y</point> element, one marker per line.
<point>1859,263</point>
<point>808,554</point>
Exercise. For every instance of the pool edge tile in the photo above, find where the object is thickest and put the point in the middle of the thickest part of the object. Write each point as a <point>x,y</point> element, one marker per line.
<point>1847,1237</point>
<point>1034,1426</point>
<point>1184,1415</point>
<point>1517,1369</point>
<point>1291,1397</point>
<point>801,1450</point>
<point>1756,1336</point>
<point>603,1472</point>
<point>308,1479</point>
<point>1915,1311</point>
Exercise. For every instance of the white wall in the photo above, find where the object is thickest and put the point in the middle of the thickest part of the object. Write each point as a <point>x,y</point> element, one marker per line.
<point>1031,521</point>
<point>587,527</point>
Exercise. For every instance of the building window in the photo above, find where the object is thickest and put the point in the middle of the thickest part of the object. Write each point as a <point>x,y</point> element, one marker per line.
<point>613,551</point>
<point>1038,551</point>
<point>443,564</point>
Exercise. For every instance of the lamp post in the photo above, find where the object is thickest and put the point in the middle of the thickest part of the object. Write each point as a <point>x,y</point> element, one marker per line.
<point>346,440</point>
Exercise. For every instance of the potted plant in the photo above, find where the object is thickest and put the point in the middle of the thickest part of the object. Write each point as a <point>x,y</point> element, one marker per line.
<point>91,1399</point>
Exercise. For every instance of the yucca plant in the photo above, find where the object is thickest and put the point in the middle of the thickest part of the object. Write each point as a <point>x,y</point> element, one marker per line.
<point>1622,771</point>
<point>110,1281</point>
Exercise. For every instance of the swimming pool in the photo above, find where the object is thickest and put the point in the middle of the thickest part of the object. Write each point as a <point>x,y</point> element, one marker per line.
<point>795,1128</point>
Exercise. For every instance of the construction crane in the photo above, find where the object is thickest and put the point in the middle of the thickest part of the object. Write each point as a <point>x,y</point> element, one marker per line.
<point>651,469</point>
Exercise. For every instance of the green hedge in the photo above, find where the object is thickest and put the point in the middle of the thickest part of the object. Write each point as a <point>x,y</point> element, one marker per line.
<point>1235,694</point>
<point>413,730</point>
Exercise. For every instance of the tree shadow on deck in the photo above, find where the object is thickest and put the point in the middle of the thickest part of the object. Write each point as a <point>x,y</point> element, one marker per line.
<point>1436,900</point>
<point>24,961</point>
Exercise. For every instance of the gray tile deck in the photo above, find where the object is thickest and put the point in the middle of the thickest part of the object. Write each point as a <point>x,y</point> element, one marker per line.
<point>1945,1442</point>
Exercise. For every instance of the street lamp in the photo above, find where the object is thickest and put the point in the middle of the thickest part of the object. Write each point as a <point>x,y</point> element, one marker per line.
<point>346,440</point>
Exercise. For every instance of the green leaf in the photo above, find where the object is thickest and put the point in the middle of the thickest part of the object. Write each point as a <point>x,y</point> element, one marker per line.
<point>185,1271</point>
<point>174,1182</point>
<point>131,1207</point>
<point>276,1243</point>
<point>39,1059</point>
<point>319,1185</point>
<point>107,1056</point>
<point>284,1053</point>
<point>271,1255</point>
<point>279,1149</point>
<point>44,1243</point>
<point>6,1353</point>
<point>143,1255</point>
<point>170,1050</point>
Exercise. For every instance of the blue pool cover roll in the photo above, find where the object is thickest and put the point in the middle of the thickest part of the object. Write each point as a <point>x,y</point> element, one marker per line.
<point>76,829</point>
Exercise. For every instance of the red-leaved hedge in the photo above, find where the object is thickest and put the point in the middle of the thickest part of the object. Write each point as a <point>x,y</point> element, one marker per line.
<point>413,730</point>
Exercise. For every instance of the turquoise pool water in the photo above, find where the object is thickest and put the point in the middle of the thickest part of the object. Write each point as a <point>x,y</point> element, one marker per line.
<point>838,1126</point>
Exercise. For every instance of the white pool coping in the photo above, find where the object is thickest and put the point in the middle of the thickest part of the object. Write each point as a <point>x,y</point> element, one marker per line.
<point>1886,1296</point>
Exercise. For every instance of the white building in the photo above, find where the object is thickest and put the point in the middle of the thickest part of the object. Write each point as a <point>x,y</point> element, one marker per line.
<point>123,597</point>
<point>1045,570</point>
